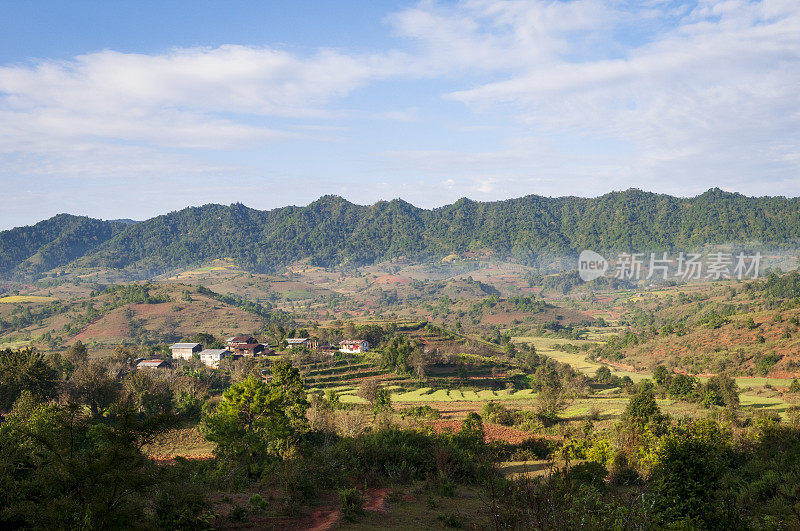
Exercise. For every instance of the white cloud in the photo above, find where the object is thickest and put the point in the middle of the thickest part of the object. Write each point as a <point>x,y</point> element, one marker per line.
<point>669,96</point>
<point>713,98</point>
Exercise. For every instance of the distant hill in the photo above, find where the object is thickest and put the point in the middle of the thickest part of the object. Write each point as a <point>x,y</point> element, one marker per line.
<point>332,231</point>
<point>28,251</point>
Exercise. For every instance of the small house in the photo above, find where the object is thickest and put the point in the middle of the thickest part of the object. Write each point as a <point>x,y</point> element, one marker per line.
<point>152,364</point>
<point>212,356</point>
<point>298,342</point>
<point>245,346</point>
<point>185,351</point>
<point>354,346</point>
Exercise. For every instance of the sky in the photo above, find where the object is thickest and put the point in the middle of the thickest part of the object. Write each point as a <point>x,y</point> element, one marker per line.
<point>133,109</point>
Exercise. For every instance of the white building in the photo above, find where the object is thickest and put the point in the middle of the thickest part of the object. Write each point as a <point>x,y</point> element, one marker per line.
<point>185,351</point>
<point>354,346</point>
<point>212,356</point>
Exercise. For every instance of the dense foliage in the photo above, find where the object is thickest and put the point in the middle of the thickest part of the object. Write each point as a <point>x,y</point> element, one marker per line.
<point>52,243</point>
<point>332,231</point>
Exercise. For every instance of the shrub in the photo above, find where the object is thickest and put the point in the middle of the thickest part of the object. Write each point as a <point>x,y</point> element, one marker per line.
<point>422,412</point>
<point>257,502</point>
<point>589,473</point>
<point>352,503</point>
<point>765,363</point>
<point>682,386</point>
<point>499,414</point>
<point>451,520</point>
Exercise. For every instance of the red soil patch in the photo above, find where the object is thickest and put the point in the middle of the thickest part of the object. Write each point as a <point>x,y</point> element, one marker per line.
<point>114,325</point>
<point>327,517</point>
<point>322,519</point>
<point>392,279</point>
<point>492,432</point>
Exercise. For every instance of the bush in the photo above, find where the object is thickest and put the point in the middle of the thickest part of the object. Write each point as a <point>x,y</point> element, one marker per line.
<point>257,502</point>
<point>499,414</point>
<point>589,473</point>
<point>422,412</point>
<point>682,386</point>
<point>451,520</point>
<point>765,363</point>
<point>352,503</point>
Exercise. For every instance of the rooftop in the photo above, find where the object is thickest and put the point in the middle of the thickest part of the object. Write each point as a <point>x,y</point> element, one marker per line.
<point>215,352</point>
<point>151,363</point>
<point>242,339</point>
<point>185,345</point>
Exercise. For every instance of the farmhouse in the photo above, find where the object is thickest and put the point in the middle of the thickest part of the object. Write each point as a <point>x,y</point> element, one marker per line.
<point>245,346</point>
<point>212,356</point>
<point>185,351</point>
<point>152,364</point>
<point>354,346</point>
<point>298,342</point>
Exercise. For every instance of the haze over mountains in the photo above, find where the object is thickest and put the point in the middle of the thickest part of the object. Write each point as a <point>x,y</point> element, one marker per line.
<point>332,231</point>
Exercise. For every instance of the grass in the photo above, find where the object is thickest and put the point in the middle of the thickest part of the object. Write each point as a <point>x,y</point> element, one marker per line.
<point>14,344</point>
<point>457,395</point>
<point>420,509</point>
<point>25,298</point>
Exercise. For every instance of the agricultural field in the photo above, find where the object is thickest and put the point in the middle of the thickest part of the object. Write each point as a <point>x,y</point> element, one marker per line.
<point>550,375</point>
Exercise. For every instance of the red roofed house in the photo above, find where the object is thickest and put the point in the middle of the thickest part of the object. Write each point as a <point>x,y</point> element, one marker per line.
<point>245,346</point>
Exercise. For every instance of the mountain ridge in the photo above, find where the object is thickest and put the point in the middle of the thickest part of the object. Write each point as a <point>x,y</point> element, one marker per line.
<point>333,231</point>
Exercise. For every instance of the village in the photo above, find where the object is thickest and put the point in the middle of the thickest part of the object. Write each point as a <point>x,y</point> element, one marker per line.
<point>245,346</point>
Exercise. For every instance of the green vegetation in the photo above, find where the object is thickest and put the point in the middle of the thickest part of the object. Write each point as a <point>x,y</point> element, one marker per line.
<point>332,231</point>
<point>29,251</point>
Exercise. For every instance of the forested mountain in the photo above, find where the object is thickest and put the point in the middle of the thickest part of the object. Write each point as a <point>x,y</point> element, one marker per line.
<point>27,251</point>
<point>332,231</point>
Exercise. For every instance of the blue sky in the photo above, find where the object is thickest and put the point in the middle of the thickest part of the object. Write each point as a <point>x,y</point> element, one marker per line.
<point>132,109</point>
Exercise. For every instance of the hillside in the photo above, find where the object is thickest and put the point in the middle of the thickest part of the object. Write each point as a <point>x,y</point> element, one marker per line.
<point>334,232</point>
<point>28,251</point>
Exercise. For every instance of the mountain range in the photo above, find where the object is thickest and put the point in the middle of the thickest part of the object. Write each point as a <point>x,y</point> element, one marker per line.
<point>335,232</point>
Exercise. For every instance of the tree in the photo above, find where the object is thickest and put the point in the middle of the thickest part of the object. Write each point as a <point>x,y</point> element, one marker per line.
<point>795,386</point>
<point>682,386</point>
<point>642,410</point>
<point>77,353</point>
<point>720,390</point>
<point>396,354</point>
<point>528,361</point>
<point>250,421</point>
<point>63,471</point>
<point>379,397</point>
<point>147,394</point>
<point>257,419</point>
<point>94,384</point>
<point>25,370</point>
<point>418,361</point>
<point>661,375</point>
<point>294,398</point>
<point>471,433</point>
<point>207,340</point>
<point>691,461</point>
<point>603,375</point>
